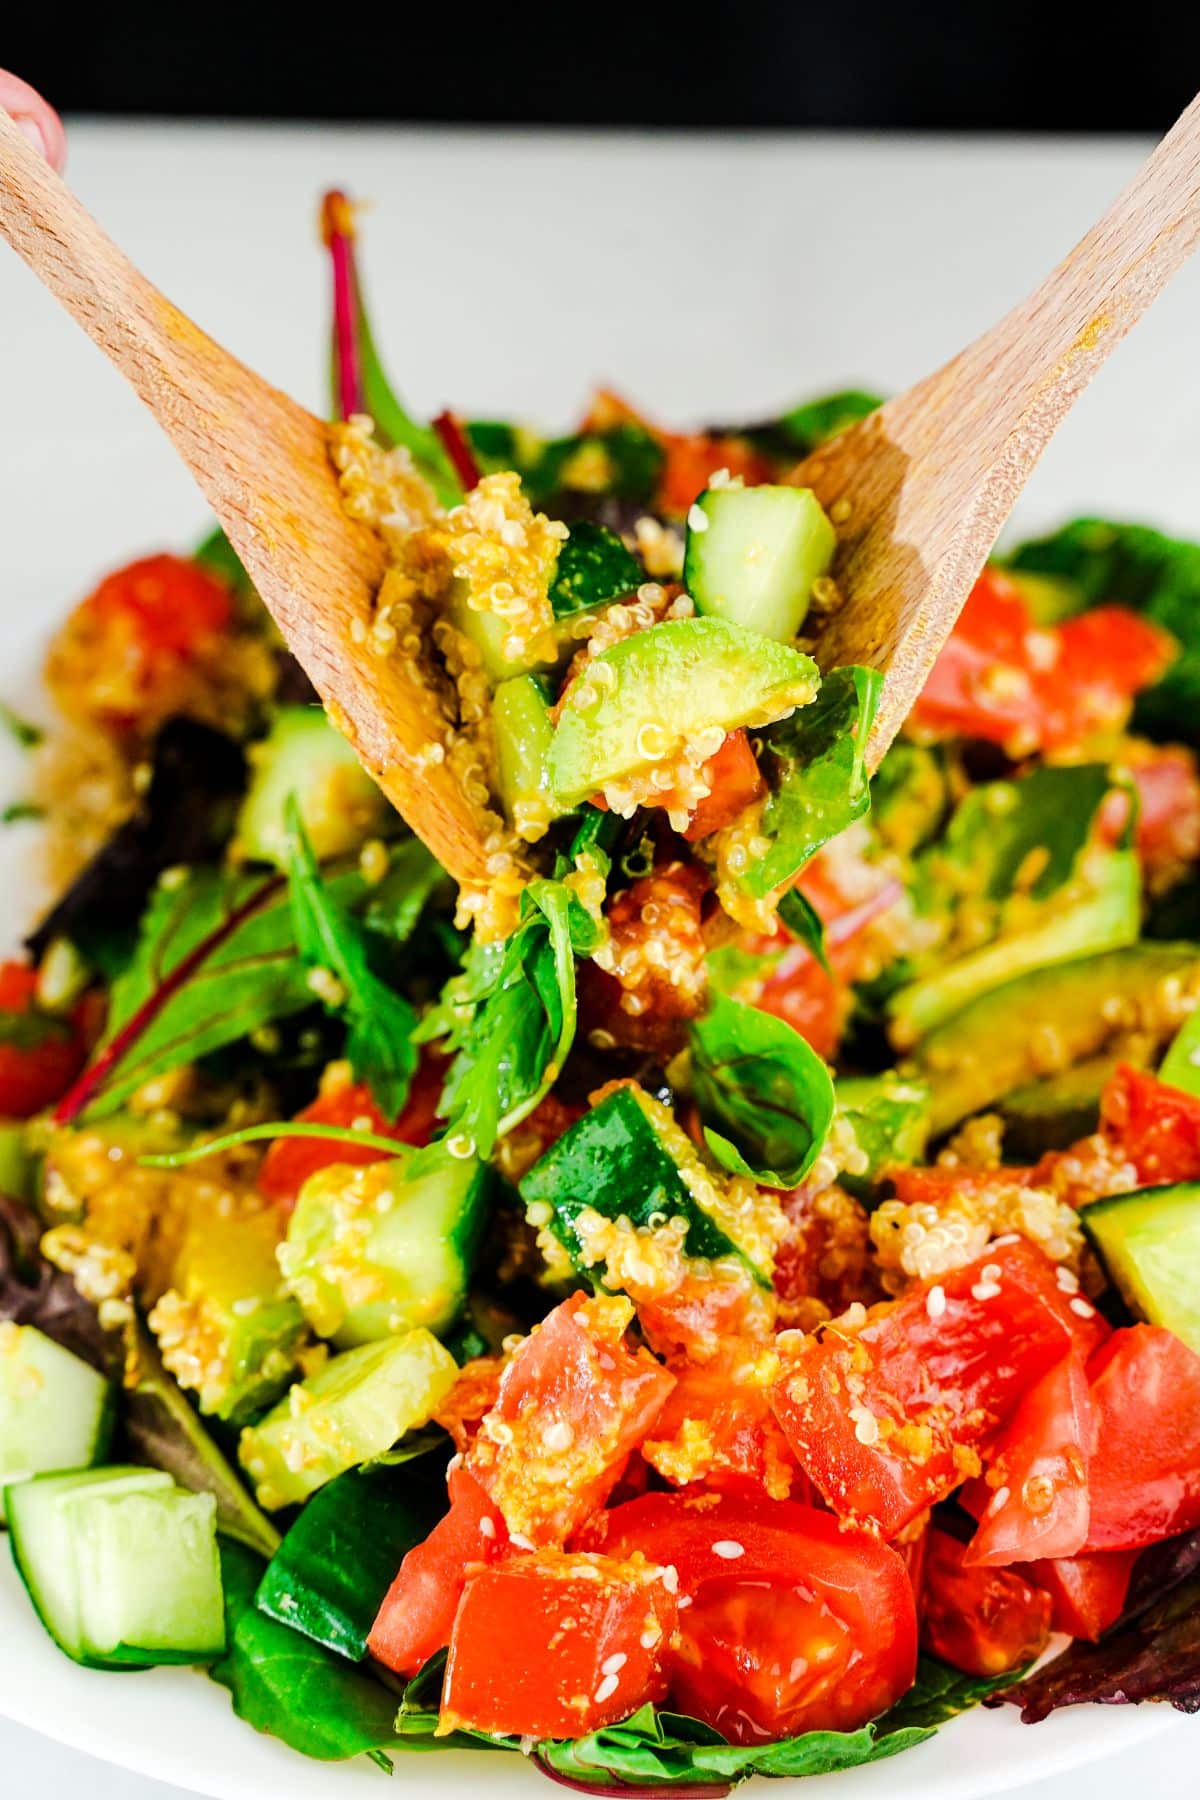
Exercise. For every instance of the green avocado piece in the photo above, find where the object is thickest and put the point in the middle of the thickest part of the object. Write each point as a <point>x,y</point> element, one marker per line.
<point>753,554</point>
<point>639,703</point>
<point>340,806</point>
<point>1056,1111</point>
<point>1150,1242</point>
<point>1065,1012</point>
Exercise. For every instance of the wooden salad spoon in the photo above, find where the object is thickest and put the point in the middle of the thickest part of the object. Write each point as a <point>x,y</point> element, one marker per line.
<point>920,489</point>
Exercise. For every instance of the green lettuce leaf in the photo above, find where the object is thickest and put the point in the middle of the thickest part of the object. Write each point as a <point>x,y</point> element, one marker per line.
<point>381,1022</point>
<point>814,765</point>
<point>802,919</point>
<point>765,1096</point>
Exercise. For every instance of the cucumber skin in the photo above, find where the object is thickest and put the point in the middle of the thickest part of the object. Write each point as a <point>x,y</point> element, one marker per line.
<point>1112,1246</point>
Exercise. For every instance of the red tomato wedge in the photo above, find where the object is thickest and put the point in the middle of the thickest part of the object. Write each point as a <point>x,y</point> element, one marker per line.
<point>1145,1471</point>
<point>1087,1592</point>
<point>556,1645</point>
<point>982,1621</point>
<point>1034,1503</point>
<point>735,782</point>
<point>791,1624</point>
<point>718,1427</point>
<point>691,463</point>
<point>417,1615</point>
<point>1155,1125</point>
<point>40,1053</point>
<point>290,1161</point>
<point>573,1403</point>
<point>888,1419</point>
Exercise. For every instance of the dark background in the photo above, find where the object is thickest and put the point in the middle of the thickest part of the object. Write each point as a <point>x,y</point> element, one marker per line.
<point>1027,67</point>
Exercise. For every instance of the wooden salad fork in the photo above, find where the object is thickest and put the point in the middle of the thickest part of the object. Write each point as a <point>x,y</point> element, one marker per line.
<point>920,489</point>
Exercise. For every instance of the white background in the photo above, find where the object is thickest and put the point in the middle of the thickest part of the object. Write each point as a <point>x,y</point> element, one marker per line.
<point>707,279</point>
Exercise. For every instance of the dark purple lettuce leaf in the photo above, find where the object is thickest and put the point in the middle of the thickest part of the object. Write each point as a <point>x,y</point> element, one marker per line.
<point>32,1292</point>
<point>1152,1653</point>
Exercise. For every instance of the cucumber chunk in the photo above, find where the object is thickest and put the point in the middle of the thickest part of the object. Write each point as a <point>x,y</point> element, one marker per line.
<point>43,1540</point>
<point>148,1576</point>
<point>753,554</point>
<point>1150,1243</point>
<point>375,1250</point>
<point>889,1117</point>
<point>355,1408</point>
<point>642,701</point>
<point>55,1409</point>
<point>524,733</point>
<point>340,806</point>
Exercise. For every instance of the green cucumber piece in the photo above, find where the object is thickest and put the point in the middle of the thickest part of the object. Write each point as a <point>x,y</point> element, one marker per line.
<point>489,635</point>
<point>889,1117</point>
<point>1181,1065</point>
<point>55,1409</point>
<point>1108,919</point>
<point>340,806</point>
<point>148,1575</point>
<point>995,1044</point>
<point>524,732</point>
<point>43,1543</point>
<point>375,1250</point>
<point>1055,1112</point>
<point>1150,1243</point>
<point>753,554</point>
<point>593,569</point>
<point>662,688</point>
<point>355,1408</point>
<point>627,1158</point>
<point>329,1576</point>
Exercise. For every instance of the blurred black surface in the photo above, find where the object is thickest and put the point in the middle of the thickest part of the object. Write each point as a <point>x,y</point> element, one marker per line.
<point>1053,66</point>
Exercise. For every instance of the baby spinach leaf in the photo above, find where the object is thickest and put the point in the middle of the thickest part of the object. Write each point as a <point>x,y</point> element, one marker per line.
<point>803,920</point>
<point>940,1693</point>
<point>381,1022</point>
<point>814,764</point>
<point>765,1096</point>
<point>1026,834</point>
<point>289,1687</point>
<point>626,460</point>
<point>593,568</point>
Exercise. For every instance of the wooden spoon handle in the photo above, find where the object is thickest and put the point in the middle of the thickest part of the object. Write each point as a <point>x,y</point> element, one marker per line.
<point>263,463</point>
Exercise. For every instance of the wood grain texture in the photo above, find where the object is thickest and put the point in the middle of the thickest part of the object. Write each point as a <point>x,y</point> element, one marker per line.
<point>262,462</point>
<point>932,476</point>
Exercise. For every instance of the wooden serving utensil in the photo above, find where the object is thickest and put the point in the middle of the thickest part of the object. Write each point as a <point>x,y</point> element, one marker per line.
<point>921,488</point>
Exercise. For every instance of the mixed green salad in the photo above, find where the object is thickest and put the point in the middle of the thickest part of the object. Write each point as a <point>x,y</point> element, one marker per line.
<point>721,1296</point>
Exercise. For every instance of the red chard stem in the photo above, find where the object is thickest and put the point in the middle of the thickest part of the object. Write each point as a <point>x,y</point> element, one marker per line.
<point>337,230</point>
<point>454,441</point>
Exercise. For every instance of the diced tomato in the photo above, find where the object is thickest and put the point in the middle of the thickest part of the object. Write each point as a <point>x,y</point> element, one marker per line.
<point>691,463</point>
<point>170,603</point>
<point>826,1258</point>
<point>1145,1471</point>
<point>1034,1503</point>
<point>1156,1126</point>
<point>555,1646</point>
<point>794,1624</point>
<point>1002,678</point>
<point>470,1399</point>
<point>717,1426</point>
<point>735,782</point>
<point>573,1403</point>
<point>807,997</point>
<point>646,999</point>
<point>889,1418</point>
<point>982,1621</point>
<point>1167,832</point>
<point>417,1615</point>
<point>350,1104</point>
<point>40,1053</point>
<point>1088,1591</point>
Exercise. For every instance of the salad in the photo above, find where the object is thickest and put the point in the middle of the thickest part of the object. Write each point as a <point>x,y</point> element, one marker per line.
<point>723,1295</point>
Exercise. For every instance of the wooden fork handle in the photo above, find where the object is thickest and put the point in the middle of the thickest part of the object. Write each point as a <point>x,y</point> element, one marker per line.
<point>263,463</point>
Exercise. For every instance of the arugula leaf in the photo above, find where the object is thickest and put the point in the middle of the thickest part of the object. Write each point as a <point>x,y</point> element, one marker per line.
<point>162,1428</point>
<point>381,1022</point>
<point>289,1687</point>
<point>593,568</point>
<point>1144,569</point>
<point>769,1092</point>
<point>803,920</point>
<point>814,765</point>
<point>393,907</point>
<point>520,1023</point>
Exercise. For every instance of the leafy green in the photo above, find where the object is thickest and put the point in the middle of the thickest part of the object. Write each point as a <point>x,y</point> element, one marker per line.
<point>18,812</point>
<point>628,454</point>
<point>1181,1065</point>
<point>767,1091</point>
<point>593,568</point>
<point>218,555</point>
<point>379,1043</point>
<point>816,421</point>
<point>940,1693</point>
<point>519,1005</point>
<point>1028,833</point>
<point>161,1427</point>
<point>814,764</point>
<point>909,796</point>
<point>803,920</point>
<point>393,907</point>
<point>1144,569</point>
<point>289,1687</point>
<point>22,732</point>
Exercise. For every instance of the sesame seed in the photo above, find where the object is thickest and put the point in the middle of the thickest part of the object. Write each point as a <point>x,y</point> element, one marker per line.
<point>487,1528</point>
<point>606,1690</point>
<point>985,1290</point>
<point>1082,1310</point>
<point>728,1550</point>
<point>1067,1280</point>
<point>614,1664</point>
<point>521,1541</point>
<point>935,1302</point>
<point>1000,1498</point>
<point>670,1578</point>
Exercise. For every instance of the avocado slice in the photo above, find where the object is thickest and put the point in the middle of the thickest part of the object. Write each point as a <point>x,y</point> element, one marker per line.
<point>374,1250</point>
<point>639,703</point>
<point>340,806</point>
<point>1056,1111</point>
<point>1150,1243</point>
<point>753,554</point>
<point>994,1045</point>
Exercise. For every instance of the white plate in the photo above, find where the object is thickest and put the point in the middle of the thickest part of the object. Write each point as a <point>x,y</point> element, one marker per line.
<point>707,279</point>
